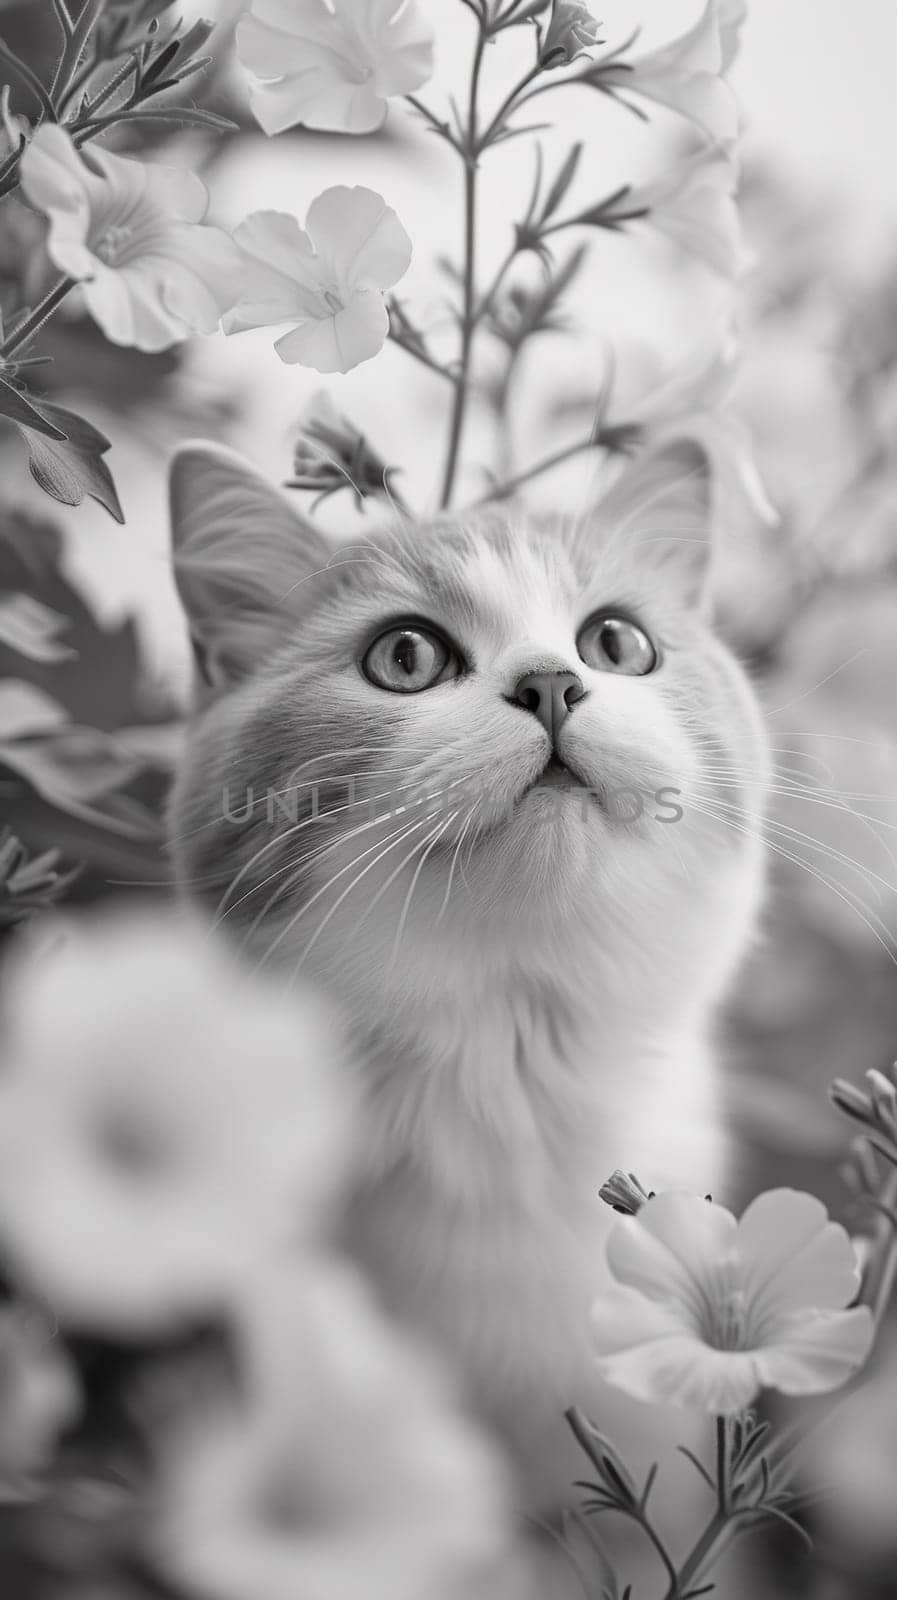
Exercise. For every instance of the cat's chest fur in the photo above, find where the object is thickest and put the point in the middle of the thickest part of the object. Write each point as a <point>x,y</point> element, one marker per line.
<point>497,1104</point>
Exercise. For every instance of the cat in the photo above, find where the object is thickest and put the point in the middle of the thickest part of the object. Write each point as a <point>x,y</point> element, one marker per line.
<point>498,788</point>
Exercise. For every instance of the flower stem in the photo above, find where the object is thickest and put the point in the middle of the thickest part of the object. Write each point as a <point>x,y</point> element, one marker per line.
<point>396,337</point>
<point>468,313</point>
<point>67,73</point>
<point>717,1528</point>
<point>23,71</point>
<point>41,313</point>
<point>509,104</point>
<point>502,491</point>
<point>434,122</point>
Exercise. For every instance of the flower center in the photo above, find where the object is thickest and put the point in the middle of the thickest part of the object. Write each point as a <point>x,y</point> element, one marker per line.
<point>113,245</point>
<point>356,52</point>
<point>728,1321</point>
<point>333,300</point>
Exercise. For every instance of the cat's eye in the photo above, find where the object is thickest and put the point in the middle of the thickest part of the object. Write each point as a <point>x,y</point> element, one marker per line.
<point>409,658</point>
<point>615,644</point>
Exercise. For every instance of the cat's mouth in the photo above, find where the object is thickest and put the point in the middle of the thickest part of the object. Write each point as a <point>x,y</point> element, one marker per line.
<point>556,774</point>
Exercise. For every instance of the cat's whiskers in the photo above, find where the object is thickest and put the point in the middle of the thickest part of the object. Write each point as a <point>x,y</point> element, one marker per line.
<point>298,827</point>
<point>785,830</point>
<point>317,854</point>
<point>346,750</point>
<point>833,800</point>
<point>454,862</point>
<point>307,905</point>
<point>881,933</point>
<point>434,839</point>
<point>343,895</point>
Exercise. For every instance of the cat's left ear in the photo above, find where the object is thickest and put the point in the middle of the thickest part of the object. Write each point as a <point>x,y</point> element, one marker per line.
<point>241,553</point>
<point>659,510</point>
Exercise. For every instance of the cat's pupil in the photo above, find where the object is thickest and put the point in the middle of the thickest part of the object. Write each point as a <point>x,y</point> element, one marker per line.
<point>611,643</point>
<point>405,654</point>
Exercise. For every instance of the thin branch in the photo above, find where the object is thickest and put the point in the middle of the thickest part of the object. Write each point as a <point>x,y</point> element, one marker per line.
<point>35,321</point>
<point>468,322</point>
<point>63,18</point>
<point>503,491</point>
<point>512,101</point>
<point>107,90</point>
<point>63,77</point>
<point>419,354</point>
<point>190,116</point>
<point>23,71</point>
<point>434,122</point>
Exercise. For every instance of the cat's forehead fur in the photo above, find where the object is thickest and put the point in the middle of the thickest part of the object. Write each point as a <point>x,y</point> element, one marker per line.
<point>481,570</point>
<point>494,573</point>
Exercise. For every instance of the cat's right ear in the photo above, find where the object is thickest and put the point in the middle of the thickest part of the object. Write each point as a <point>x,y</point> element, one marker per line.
<point>240,554</point>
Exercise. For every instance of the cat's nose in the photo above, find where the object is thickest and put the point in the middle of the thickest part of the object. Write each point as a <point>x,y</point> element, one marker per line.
<point>550,696</point>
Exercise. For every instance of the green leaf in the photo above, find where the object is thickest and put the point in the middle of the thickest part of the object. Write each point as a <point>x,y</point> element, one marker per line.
<point>71,467</point>
<point>15,405</point>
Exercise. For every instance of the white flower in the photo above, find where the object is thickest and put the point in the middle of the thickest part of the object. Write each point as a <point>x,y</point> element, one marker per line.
<point>694,206</point>
<point>327,278</point>
<point>333,63</point>
<point>687,75</point>
<point>164,1121</point>
<point>337,1468</point>
<point>39,1397</point>
<point>132,233</point>
<point>707,1310</point>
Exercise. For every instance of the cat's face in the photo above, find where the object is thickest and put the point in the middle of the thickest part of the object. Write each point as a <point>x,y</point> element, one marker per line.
<point>476,722</point>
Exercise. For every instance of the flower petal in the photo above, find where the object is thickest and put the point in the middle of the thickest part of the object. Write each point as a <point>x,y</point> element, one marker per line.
<point>340,342</point>
<point>670,1249</point>
<point>814,1353</point>
<point>793,1256</point>
<point>358,237</point>
<point>327,103</point>
<point>280,273</point>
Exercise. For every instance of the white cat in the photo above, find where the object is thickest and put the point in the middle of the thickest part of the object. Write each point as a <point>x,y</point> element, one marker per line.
<point>529,929</point>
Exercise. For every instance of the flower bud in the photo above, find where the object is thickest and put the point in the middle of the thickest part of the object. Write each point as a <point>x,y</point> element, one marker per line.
<point>624,1192</point>
<point>571,30</point>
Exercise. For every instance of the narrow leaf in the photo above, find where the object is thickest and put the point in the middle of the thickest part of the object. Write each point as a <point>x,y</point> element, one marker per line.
<point>562,182</point>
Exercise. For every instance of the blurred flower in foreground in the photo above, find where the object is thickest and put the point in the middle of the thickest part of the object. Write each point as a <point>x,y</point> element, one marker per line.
<point>708,1310</point>
<point>164,1120</point>
<point>687,74</point>
<point>694,206</point>
<point>571,30</point>
<point>333,66</point>
<point>337,1468</point>
<point>327,278</point>
<point>132,233</point>
<point>39,1397</point>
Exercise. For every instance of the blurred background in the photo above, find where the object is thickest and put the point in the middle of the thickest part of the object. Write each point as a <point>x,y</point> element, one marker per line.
<point>810,604</point>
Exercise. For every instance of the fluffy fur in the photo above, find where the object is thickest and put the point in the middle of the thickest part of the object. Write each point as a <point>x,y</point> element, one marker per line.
<point>528,976</point>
